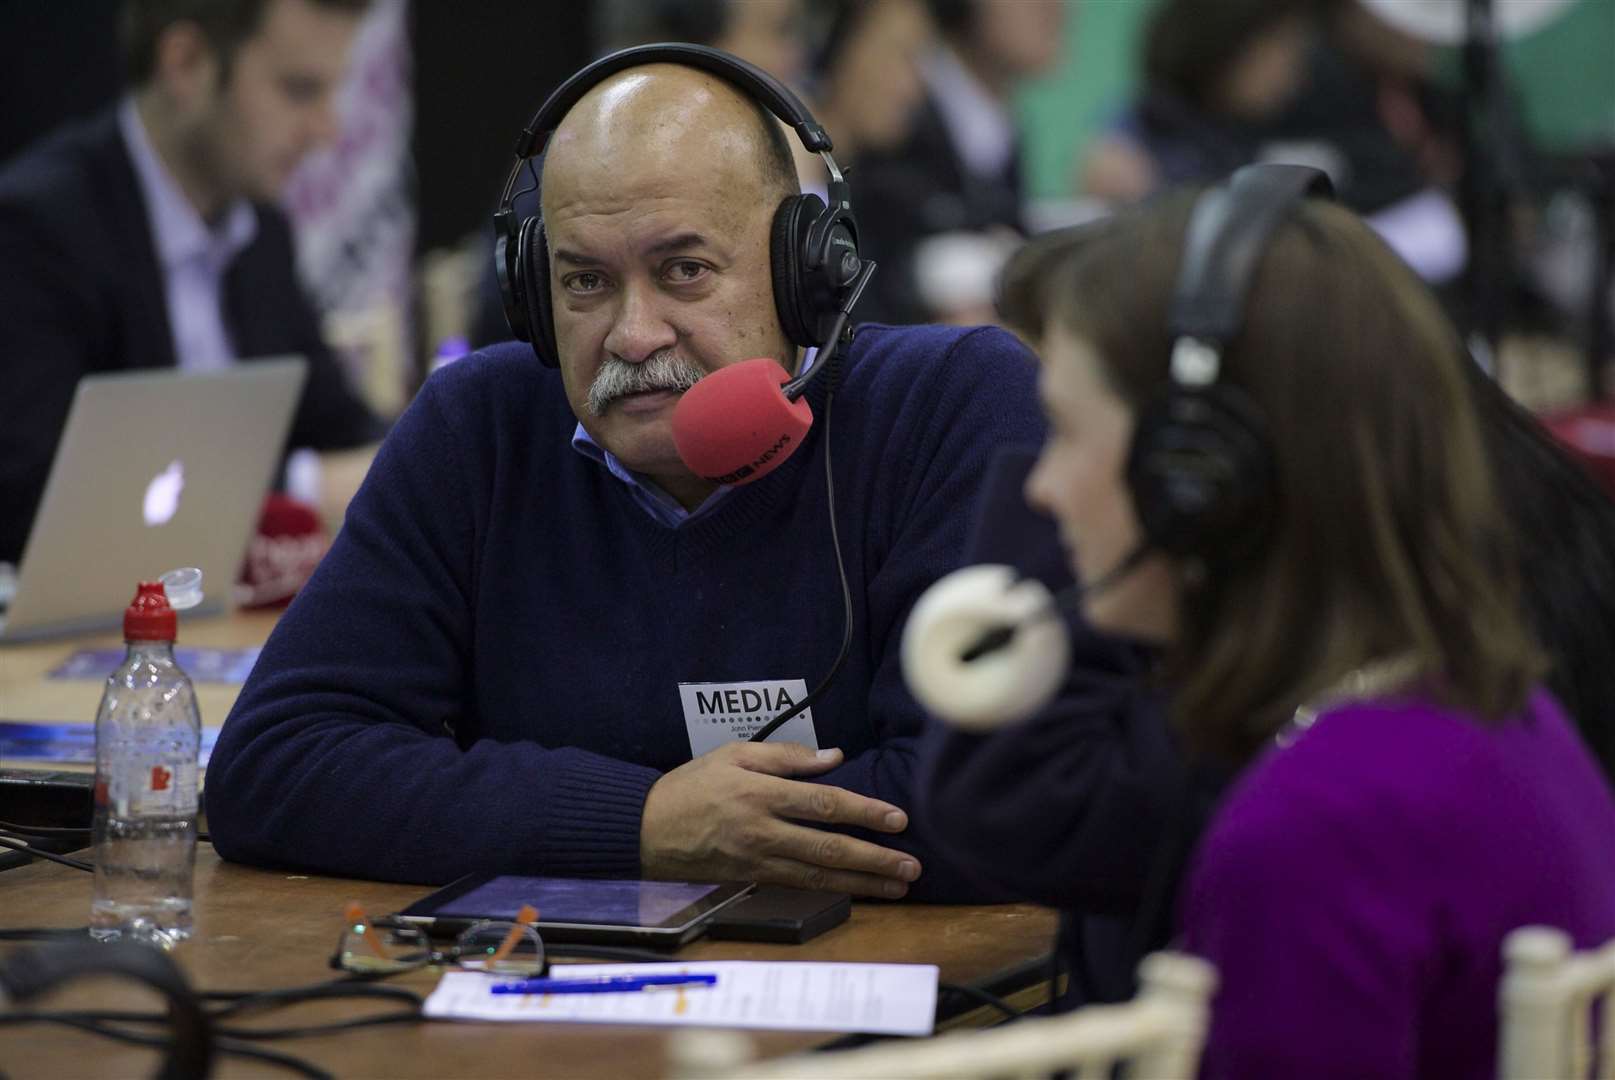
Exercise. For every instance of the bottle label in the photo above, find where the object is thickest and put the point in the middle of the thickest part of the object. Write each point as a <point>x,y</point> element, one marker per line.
<point>159,789</point>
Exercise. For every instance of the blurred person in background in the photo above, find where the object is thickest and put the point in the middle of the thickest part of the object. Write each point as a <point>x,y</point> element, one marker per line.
<point>1215,75</point>
<point>148,237</point>
<point>861,78</point>
<point>1310,82</point>
<point>865,82</point>
<point>958,175</point>
<point>767,33</point>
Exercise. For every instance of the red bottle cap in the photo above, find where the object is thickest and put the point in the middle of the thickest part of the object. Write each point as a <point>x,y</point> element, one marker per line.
<point>148,616</point>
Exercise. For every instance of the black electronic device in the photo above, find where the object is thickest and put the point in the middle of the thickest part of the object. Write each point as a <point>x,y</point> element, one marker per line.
<point>777,913</point>
<point>655,914</point>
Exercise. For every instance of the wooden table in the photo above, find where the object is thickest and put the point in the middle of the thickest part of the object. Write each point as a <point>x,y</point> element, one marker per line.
<point>259,929</point>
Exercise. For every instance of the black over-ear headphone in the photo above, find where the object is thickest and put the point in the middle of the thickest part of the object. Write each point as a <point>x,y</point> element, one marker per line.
<point>813,247</point>
<point>30,973</point>
<point>1201,466</point>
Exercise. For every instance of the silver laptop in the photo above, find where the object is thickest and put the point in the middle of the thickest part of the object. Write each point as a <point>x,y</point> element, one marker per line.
<point>155,470</point>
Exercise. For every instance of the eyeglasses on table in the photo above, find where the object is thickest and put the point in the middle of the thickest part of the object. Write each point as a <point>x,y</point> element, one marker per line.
<point>496,946</point>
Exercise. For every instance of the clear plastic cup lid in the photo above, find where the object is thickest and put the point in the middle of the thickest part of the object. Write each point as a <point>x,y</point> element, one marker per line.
<point>183,586</point>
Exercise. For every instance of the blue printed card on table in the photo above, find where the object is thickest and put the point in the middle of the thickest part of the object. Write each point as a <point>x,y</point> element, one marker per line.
<point>69,743</point>
<point>202,665</point>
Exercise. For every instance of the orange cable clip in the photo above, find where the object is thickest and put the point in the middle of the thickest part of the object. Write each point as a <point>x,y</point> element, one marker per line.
<point>356,917</point>
<point>527,916</point>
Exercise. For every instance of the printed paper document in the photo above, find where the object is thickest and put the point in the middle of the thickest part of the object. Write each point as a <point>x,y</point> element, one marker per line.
<point>883,999</point>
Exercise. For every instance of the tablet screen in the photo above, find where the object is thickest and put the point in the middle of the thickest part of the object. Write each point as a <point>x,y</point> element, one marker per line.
<point>579,900</point>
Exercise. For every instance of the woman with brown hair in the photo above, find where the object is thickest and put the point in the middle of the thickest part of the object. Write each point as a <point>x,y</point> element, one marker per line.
<point>1264,440</point>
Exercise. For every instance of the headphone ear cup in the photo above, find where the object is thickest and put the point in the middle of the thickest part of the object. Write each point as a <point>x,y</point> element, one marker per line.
<point>507,266</point>
<point>1201,473</point>
<point>788,252</point>
<point>535,261</point>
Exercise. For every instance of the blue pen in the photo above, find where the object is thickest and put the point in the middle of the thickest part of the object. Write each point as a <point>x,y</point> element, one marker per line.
<point>615,984</point>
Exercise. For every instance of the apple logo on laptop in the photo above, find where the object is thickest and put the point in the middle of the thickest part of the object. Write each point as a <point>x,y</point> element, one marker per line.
<point>162,495</point>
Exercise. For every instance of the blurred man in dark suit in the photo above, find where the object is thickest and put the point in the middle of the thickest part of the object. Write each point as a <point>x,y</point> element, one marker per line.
<point>959,172</point>
<point>147,237</point>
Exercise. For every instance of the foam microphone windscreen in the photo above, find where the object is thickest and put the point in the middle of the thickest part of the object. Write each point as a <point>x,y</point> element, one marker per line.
<point>736,425</point>
<point>1001,687</point>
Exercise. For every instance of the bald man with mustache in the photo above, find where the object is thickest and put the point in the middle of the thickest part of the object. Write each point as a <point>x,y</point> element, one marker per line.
<point>539,638</point>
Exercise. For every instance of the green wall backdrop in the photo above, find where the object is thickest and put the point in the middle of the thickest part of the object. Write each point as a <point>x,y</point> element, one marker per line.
<point>1563,75</point>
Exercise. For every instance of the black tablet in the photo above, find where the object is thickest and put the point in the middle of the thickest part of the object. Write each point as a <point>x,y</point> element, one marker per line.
<point>659,914</point>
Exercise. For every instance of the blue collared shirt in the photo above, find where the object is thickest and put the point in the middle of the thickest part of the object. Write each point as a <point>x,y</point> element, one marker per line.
<point>194,257</point>
<point>651,498</point>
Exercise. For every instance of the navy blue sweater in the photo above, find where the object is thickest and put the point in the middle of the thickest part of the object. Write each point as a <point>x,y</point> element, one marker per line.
<point>483,674</point>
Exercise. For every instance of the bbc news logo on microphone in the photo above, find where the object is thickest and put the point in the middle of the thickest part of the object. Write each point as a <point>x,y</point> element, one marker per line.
<point>720,713</point>
<point>746,470</point>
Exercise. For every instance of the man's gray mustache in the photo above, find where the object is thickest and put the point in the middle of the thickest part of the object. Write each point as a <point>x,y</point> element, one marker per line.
<point>619,378</point>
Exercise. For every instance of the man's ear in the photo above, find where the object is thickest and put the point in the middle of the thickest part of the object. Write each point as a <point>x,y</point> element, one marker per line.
<point>186,68</point>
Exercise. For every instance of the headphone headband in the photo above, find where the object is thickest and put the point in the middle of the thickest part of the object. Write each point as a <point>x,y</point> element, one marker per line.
<point>757,84</point>
<point>1228,232</point>
<point>813,246</point>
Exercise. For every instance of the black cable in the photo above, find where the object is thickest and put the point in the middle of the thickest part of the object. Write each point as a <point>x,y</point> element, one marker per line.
<point>274,999</point>
<point>977,994</point>
<point>45,830</point>
<point>101,1018</point>
<point>347,978</point>
<point>139,1038</point>
<point>28,837</point>
<point>26,834</point>
<point>44,933</point>
<point>412,1016</point>
<point>188,1042</point>
<point>26,849</point>
<point>275,1057</point>
<point>841,569</point>
<point>532,174</point>
<point>195,1027</point>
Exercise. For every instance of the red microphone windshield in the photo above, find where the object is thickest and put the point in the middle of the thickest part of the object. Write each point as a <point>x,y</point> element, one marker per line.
<point>736,425</point>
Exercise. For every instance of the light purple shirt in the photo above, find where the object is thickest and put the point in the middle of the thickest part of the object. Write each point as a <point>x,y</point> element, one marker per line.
<point>649,497</point>
<point>193,256</point>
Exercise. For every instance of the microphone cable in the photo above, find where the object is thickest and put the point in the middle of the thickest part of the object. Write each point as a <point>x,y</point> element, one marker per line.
<point>762,733</point>
<point>839,337</point>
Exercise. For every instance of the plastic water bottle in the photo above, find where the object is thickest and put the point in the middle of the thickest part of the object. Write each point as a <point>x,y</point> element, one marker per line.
<point>148,733</point>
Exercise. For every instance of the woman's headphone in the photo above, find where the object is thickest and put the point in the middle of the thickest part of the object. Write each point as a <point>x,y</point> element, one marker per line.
<point>813,247</point>
<point>1201,467</point>
<point>985,647</point>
